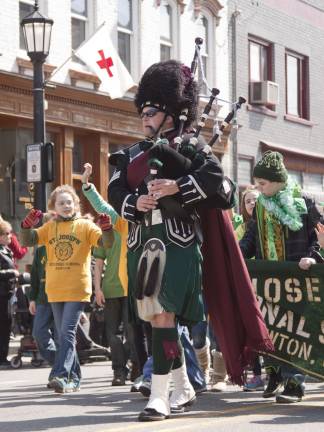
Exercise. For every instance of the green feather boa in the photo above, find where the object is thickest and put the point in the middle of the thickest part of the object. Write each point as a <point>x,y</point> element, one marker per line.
<point>286,205</point>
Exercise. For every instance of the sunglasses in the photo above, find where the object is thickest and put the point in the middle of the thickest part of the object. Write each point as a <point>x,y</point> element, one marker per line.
<point>149,113</point>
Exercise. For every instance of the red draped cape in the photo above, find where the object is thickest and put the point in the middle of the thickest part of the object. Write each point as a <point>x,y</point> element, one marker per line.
<point>231,302</point>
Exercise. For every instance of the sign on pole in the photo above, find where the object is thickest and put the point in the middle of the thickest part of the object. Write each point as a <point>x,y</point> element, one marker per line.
<point>34,164</point>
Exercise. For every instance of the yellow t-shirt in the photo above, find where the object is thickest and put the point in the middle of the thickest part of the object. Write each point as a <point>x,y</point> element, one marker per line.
<point>68,247</point>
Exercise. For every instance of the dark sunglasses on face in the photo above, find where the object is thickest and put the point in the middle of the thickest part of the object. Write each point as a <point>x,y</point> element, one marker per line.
<point>149,113</point>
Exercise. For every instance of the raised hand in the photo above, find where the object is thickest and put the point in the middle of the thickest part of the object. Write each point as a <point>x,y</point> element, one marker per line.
<point>104,221</point>
<point>320,234</point>
<point>306,262</point>
<point>86,173</point>
<point>32,219</point>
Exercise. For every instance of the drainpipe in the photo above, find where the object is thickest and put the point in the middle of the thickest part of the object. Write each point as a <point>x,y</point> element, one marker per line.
<point>234,17</point>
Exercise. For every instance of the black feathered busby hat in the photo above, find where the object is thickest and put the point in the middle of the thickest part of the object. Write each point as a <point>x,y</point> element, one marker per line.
<point>169,86</point>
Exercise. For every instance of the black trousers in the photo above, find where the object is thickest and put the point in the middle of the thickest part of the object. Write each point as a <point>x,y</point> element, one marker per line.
<point>5,328</point>
<point>116,323</point>
<point>141,340</point>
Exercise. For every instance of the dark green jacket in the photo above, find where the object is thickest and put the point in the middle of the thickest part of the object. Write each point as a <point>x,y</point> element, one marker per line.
<point>37,292</point>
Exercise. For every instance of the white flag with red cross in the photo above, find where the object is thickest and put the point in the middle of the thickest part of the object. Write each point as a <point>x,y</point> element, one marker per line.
<point>102,58</point>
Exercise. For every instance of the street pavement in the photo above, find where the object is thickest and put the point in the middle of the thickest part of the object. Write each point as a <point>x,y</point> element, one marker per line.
<point>26,405</point>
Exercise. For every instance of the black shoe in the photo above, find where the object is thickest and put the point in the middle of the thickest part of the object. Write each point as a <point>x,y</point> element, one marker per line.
<point>97,350</point>
<point>177,409</point>
<point>150,414</point>
<point>135,372</point>
<point>274,384</point>
<point>119,379</point>
<point>145,388</point>
<point>293,392</point>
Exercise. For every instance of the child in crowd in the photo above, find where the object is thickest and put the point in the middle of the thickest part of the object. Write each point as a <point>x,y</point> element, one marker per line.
<point>111,290</point>
<point>248,201</point>
<point>68,240</point>
<point>17,250</point>
<point>283,229</point>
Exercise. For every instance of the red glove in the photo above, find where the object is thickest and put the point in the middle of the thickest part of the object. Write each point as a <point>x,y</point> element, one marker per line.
<point>104,221</point>
<point>32,219</point>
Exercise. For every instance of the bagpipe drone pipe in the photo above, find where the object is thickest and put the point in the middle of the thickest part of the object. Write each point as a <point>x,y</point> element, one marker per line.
<point>189,153</point>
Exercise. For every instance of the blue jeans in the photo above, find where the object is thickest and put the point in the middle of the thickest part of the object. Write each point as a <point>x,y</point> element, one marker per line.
<point>195,375</point>
<point>199,334</point>
<point>43,322</point>
<point>66,318</point>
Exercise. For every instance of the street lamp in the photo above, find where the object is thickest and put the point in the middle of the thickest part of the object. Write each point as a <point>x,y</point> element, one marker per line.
<point>37,31</point>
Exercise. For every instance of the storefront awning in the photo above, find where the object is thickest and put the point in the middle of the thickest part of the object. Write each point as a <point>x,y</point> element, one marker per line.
<point>267,145</point>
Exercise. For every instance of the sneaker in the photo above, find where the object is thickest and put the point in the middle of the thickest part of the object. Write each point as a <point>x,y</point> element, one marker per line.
<point>62,385</point>
<point>200,389</point>
<point>293,392</point>
<point>254,384</point>
<point>73,386</point>
<point>274,384</point>
<point>145,388</point>
<point>136,384</point>
<point>50,384</point>
<point>59,384</point>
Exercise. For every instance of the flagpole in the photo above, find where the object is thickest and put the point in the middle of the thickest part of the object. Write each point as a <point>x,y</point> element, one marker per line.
<point>58,69</point>
<point>73,53</point>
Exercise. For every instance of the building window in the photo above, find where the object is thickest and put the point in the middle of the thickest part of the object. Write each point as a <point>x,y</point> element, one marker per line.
<point>245,168</point>
<point>297,85</point>
<point>296,177</point>
<point>125,31</point>
<point>79,19</point>
<point>165,31</point>
<point>25,8</point>
<point>313,182</point>
<point>260,60</point>
<point>78,155</point>
<point>202,23</point>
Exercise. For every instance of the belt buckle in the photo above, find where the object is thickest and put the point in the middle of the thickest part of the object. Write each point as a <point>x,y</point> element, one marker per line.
<point>153,218</point>
<point>156,217</point>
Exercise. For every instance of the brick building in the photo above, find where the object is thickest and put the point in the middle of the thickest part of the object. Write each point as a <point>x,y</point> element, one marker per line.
<point>276,58</point>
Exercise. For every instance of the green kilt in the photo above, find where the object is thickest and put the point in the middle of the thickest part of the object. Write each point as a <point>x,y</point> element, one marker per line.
<point>181,283</point>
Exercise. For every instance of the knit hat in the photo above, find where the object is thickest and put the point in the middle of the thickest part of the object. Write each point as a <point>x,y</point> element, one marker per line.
<point>271,167</point>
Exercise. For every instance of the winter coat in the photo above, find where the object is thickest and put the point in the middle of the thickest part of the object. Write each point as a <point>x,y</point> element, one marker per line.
<point>7,272</point>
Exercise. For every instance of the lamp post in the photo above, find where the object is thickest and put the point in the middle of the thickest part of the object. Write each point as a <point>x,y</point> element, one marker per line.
<point>37,31</point>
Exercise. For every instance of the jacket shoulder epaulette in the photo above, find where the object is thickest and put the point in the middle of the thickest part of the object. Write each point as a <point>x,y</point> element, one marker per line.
<point>127,154</point>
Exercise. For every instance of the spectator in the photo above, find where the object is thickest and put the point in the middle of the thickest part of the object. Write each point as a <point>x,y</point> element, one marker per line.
<point>8,275</point>
<point>283,230</point>
<point>248,201</point>
<point>17,250</point>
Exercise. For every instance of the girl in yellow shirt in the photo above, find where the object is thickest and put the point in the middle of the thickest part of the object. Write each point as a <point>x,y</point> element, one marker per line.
<point>68,240</point>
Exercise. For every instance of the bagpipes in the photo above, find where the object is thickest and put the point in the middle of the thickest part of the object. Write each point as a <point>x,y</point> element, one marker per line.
<point>190,152</point>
